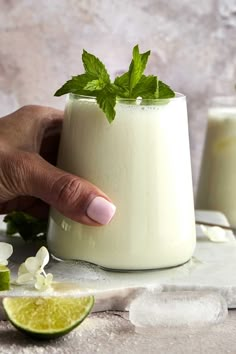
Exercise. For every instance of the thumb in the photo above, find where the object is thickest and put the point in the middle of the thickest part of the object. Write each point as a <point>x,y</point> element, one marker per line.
<point>71,195</point>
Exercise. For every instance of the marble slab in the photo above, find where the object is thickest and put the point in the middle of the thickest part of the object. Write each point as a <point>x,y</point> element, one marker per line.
<point>211,268</point>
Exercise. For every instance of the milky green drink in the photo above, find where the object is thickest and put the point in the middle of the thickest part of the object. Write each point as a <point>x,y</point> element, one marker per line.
<point>217,183</point>
<point>142,162</point>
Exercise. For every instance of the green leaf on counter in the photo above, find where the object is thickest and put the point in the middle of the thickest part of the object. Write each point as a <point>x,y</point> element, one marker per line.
<point>28,227</point>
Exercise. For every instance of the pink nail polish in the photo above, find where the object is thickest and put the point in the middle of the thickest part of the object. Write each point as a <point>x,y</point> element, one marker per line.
<point>101,210</point>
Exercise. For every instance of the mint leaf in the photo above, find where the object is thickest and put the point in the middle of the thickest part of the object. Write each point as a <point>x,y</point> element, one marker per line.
<point>164,91</point>
<point>128,81</point>
<point>137,67</point>
<point>94,67</point>
<point>29,227</point>
<point>121,85</point>
<point>106,100</point>
<point>94,85</point>
<point>146,87</point>
<point>75,85</point>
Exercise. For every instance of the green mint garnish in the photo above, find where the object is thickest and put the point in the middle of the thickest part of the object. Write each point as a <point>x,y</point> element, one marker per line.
<point>29,227</point>
<point>163,91</point>
<point>96,82</point>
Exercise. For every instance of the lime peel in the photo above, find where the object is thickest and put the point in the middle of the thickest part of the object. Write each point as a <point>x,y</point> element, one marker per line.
<point>5,276</point>
<point>47,317</point>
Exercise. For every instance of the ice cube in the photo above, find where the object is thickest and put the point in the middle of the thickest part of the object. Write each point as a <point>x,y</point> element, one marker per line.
<point>215,233</point>
<point>180,308</point>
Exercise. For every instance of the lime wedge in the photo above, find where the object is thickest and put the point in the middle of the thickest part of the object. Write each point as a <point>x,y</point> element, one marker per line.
<point>49,317</point>
<point>4,278</point>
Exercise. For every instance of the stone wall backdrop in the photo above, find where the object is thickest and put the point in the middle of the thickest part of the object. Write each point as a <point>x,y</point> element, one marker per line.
<point>193,47</point>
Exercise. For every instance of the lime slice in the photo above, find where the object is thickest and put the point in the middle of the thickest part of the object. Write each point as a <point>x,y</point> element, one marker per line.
<point>47,318</point>
<point>4,278</point>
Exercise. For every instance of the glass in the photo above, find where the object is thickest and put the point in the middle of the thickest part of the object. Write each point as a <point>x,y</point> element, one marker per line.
<point>217,182</point>
<point>142,162</point>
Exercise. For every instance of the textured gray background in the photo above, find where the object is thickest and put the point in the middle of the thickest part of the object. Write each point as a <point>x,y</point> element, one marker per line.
<point>193,48</point>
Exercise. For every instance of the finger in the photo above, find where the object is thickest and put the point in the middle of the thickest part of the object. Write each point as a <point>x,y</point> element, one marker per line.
<point>72,196</point>
<point>29,205</point>
<point>26,127</point>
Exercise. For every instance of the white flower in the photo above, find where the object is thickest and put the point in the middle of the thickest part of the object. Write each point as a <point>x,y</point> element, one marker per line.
<point>6,251</point>
<point>33,270</point>
<point>215,233</point>
<point>24,276</point>
<point>35,265</point>
<point>42,282</point>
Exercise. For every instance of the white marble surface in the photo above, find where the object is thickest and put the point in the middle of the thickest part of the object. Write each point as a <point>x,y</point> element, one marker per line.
<point>211,268</point>
<point>108,332</point>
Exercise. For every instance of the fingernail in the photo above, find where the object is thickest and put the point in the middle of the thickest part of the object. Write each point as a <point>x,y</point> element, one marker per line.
<point>101,210</point>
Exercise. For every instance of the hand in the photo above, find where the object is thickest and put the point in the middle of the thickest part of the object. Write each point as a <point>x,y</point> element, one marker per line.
<point>28,179</point>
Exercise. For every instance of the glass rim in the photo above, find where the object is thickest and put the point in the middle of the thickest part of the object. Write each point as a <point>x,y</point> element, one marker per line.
<point>223,97</point>
<point>177,96</point>
<point>222,100</point>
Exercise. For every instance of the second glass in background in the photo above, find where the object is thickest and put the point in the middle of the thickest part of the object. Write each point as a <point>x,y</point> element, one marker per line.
<point>217,182</point>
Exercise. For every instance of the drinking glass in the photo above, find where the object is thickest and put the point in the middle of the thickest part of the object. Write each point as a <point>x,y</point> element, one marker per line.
<point>142,161</point>
<point>217,182</point>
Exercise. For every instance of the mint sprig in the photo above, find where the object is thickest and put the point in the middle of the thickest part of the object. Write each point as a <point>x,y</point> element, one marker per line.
<point>137,67</point>
<point>133,83</point>
<point>96,82</point>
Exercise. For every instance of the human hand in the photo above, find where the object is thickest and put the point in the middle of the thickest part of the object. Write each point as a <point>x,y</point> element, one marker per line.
<point>30,182</point>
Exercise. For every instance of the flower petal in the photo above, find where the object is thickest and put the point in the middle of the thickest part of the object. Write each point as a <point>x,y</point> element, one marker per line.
<point>39,281</point>
<point>24,278</point>
<point>4,263</point>
<point>22,269</point>
<point>215,233</point>
<point>32,265</point>
<point>6,251</point>
<point>42,256</point>
<point>49,278</point>
<point>43,283</point>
